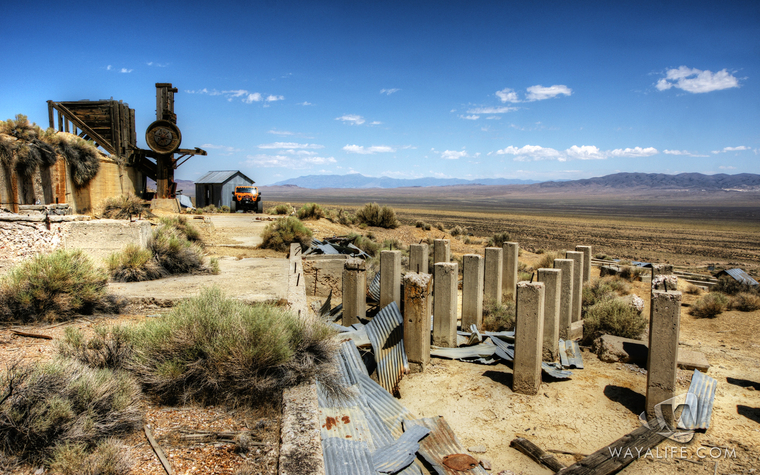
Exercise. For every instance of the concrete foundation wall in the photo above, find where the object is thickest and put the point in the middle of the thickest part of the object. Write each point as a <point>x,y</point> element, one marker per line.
<point>103,237</point>
<point>324,273</point>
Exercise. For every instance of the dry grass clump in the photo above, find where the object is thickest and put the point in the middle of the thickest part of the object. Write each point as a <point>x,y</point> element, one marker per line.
<point>213,349</point>
<point>124,207</point>
<point>710,306</point>
<point>54,286</point>
<point>458,231</point>
<point>498,239</point>
<point>109,457</point>
<point>730,286</point>
<point>498,316</point>
<point>423,225</point>
<point>173,252</point>
<point>310,211</point>
<point>613,317</point>
<point>61,402</point>
<point>439,226</point>
<point>631,273</point>
<point>746,302</point>
<point>366,244</point>
<point>280,209</point>
<point>108,348</point>
<point>373,215</point>
<point>280,234</point>
<point>547,259</point>
<point>692,289</point>
<point>134,264</point>
<point>345,218</point>
<point>185,228</point>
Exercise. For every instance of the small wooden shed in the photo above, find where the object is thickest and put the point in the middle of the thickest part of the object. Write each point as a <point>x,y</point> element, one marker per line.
<point>215,188</point>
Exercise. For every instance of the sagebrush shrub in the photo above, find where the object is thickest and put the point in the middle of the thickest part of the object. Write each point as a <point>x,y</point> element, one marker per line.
<point>613,317</point>
<point>710,306</point>
<point>498,316</point>
<point>280,234</point>
<point>498,239</point>
<point>311,211</point>
<point>372,214</point>
<point>746,302</point>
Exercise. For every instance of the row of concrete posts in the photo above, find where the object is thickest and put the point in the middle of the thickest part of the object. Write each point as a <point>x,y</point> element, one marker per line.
<point>546,310</point>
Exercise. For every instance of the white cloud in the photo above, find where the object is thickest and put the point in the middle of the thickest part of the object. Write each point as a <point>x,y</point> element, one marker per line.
<point>361,149</point>
<point>270,161</point>
<point>158,65</point>
<point>223,148</point>
<point>539,93</point>
<point>532,153</point>
<point>271,98</point>
<point>375,122</point>
<point>244,95</point>
<point>469,117</point>
<point>304,103</point>
<point>280,132</point>
<point>507,95</point>
<point>491,110</point>
<point>300,152</point>
<point>351,119</point>
<point>684,153</point>
<point>493,117</point>
<point>109,67</point>
<point>633,152</point>
<point>735,149</point>
<point>727,167</point>
<point>697,81</point>
<point>453,154</point>
<point>284,145</point>
<point>125,70</point>
<point>388,92</point>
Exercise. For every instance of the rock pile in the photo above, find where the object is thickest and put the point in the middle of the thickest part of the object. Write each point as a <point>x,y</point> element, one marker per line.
<point>21,240</point>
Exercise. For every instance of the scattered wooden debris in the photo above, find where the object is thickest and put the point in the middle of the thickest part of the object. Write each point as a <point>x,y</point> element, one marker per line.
<point>157,449</point>
<point>31,335</point>
<point>537,454</point>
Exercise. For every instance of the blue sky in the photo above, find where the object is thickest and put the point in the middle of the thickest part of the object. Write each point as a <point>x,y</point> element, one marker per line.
<point>530,90</point>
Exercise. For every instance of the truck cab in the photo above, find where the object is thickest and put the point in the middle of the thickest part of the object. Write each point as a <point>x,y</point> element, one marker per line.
<point>246,198</point>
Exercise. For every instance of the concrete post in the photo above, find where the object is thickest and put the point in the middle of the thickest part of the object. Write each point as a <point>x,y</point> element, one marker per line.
<point>552,280</point>
<point>417,320</point>
<point>566,298</point>
<point>586,250</point>
<point>472,291</point>
<point>528,338</point>
<point>445,310</point>
<point>390,278</point>
<point>418,258</point>
<point>509,272</point>
<point>441,251</point>
<point>493,280</point>
<point>664,322</point>
<point>577,257</point>
<point>354,291</point>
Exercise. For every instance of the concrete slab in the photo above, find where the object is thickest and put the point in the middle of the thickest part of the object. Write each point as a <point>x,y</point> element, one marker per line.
<point>615,349</point>
<point>250,280</point>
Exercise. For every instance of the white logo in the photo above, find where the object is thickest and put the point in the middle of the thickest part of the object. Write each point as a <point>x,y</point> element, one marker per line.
<point>690,404</point>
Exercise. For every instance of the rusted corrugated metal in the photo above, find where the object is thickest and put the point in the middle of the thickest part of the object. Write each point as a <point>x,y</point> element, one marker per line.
<point>346,457</point>
<point>401,453</point>
<point>386,333</point>
<point>570,354</point>
<point>373,291</point>
<point>391,412</point>
<point>703,387</point>
<point>440,442</point>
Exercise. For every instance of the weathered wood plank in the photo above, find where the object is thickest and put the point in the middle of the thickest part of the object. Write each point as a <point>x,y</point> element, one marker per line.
<point>50,113</point>
<point>617,455</point>
<point>537,454</point>
<point>97,137</point>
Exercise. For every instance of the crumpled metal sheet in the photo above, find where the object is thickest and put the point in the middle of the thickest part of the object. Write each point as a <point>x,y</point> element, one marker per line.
<point>703,387</point>
<point>505,336</point>
<point>324,310</point>
<point>347,457</point>
<point>570,354</point>
<point>386,333</point>
<point>387,407</point>
<point>440,442</point>
<point>373,291</point>
<point>401,453</point>
<point>555,370</point>
<point>504,350</point>
<point>477,351</point>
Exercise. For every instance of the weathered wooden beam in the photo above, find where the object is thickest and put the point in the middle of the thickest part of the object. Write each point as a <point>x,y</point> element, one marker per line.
<point>617,455</point>
<point>85,128</point>
<point>537,454</point>
<point>158,450</point>
<point>50,113</point>
<point>31,335</point>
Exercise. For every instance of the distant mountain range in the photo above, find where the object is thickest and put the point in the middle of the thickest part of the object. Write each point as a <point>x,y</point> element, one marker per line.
<point>684,181</point>
<point>356,180</point>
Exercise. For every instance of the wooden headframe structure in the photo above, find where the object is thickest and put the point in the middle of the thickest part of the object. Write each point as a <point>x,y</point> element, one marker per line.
<point>110,124</point>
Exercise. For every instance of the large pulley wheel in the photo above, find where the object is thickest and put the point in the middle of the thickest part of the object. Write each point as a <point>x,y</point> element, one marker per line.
<point>163,136</point>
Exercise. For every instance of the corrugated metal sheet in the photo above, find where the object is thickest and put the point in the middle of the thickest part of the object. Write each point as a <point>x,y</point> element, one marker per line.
<point>387,407</point>
<point>219,177</point>
<point>401,453</point>
<point>703,387</point>
<point>570,354</point>
<point>505,351</point>
<point>641,264</point>
<point>374,288</point>
<point>477,351</point>
<point>505,336</point>
<point>555,370</point>
<point>386,333</point>
<point>439,443</point>
<point>739,275</point>
<point>346,457</point>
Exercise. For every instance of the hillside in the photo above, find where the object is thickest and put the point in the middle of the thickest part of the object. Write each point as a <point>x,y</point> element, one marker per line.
<point>357,180</point>
<point>660,181</point>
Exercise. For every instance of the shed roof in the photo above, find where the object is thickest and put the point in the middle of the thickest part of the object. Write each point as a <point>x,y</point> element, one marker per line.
<point>739,275</point>
<point>221,176</point>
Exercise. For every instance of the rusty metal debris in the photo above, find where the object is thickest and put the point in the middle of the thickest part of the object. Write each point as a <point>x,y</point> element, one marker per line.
<point>441,442</point>
<point>570,354</point>
<point>460,462</point>
<point>335,246</point>
<point>401,453</point>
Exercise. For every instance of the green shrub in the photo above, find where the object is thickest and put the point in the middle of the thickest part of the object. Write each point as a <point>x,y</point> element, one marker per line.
<point>617,284</point>
<point>281,209</point>
<point>109,457</point>
<point>213,349</point>
<point>345,218</point>
<point>498,239</point>
<point>373,215</point>
<point>63,402</point>
<point>174,252</point>
<point>311,211</point>
<point>134,264</point>
<point>124,207</point>
<point>458,231</point>
<point>631,273</point>
<point>364,243</point>
<point>730,286</point>
<point>746,302</point>
<point>692,289</point>
<point>183,225</point>
<point>613,317</point>
<point>280,234</point>
<point>439,226</point>
<point>709,306</point>
<point>547,259</point>
<point>498,316</point>
<point>392,244</point>
<point>423,225</point>
<point>224,209</point>
<point>596,291</point>
<point>54,286</point>
<point>108,348</point>
<point>524,276</point>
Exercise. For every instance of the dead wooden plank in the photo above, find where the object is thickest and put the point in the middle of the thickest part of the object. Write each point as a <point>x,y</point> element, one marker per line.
<point>537,454</point>
<point>97,137</point>
<point>617,455</point>
<point>157,449</point>
<point>50,113</point>
<point>31,335</point>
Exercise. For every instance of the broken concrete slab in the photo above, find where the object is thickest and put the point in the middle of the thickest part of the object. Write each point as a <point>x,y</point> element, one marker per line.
<point>615,349</point>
